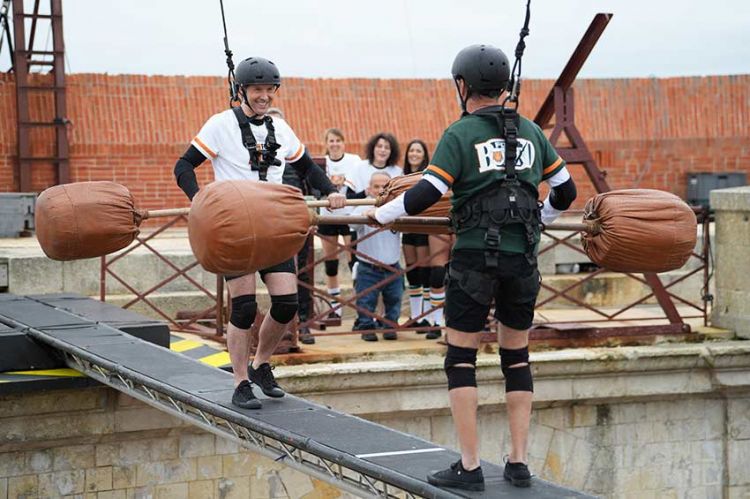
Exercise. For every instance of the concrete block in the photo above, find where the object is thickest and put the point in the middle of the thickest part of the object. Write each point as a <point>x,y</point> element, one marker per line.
<point>235,487</point>
<point>202,489</point>
<point>209,467</point>
<point>737,464</point>
<point>296,484</point>
<point>39,461</point>
<point>34,275</point>
<point>172,491</point>
<point>731,199</point>
<point>123,476</point>
<point>193,445</point>
<point>39,403</point>
<point>236,465</point>
<point>112,494</point>
<point>584,415</point>
<point>99,479</point>
<point>81,276</point>
<point>158,472</point>
<point>3,488</point>
<point>737,492</point>
<point>739,418</point>
<point>62,483</point>
<point>23,486</point>
<point>226,446</point>
<point>143,418</point>
<point>75,457</point>
<point>50,427</point>
<point>106,454</point>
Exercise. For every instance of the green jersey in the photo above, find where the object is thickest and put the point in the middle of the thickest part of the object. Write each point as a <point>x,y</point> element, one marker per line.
<point>471,155</point>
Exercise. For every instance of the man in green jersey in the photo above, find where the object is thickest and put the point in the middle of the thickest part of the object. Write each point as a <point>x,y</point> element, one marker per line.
<point>493,161</point>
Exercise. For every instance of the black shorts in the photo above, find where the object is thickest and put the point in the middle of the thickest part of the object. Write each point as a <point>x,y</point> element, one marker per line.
<point>285,266</point>
<point>415,239</point>
<point>514,286</point>
<point>334,230</point>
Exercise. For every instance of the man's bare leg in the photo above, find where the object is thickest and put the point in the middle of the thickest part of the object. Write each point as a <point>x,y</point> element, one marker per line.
<point>463,402</point>
<point>271,332</point>
<point>517,402</point>
<point>238,340</point>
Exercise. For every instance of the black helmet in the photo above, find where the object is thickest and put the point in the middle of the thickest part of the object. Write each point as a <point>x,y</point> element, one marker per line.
<point>482,68</point>
<point>257,71</point>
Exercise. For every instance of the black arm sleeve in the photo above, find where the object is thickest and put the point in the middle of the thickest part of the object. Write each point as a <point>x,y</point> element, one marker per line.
<point>563,195</point>
<point>350,194</point>
<point>420,197</point>
<point>184,171</point>
<point>307,169</point>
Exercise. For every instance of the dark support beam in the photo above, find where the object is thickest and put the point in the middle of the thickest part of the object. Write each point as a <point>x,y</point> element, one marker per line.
<point>574,65</point>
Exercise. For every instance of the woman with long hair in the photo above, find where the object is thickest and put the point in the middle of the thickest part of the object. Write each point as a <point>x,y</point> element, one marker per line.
<point>416,247</point>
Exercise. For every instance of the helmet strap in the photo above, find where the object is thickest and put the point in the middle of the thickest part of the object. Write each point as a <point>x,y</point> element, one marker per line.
<point>464,112</point>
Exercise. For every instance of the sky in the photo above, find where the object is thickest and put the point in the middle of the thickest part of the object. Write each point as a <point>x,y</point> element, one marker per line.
<point>399,38</point>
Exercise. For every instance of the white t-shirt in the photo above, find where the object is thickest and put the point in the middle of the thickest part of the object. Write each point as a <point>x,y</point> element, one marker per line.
<point>384,246</point>
<point>359,178</point>
<point>220,140</point>
<point>344,166</point>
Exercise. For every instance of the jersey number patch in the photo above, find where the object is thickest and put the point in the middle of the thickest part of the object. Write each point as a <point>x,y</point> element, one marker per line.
<point>491,155</point>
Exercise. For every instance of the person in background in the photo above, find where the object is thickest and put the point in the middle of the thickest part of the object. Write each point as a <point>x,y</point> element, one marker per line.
<point>415,246</point>
<point>385,247</point>
<point>381,153</point>
<point>339,165</point>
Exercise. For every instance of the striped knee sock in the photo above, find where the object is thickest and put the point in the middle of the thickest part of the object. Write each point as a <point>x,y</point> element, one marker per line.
<point>437,299</point>
<point>426,301</point>
<point>415,300</point>
<point>335,292</point>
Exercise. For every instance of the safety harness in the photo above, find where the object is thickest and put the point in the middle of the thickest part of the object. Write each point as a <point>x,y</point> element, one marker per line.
<point>511,200</point>
<point>262,156</point>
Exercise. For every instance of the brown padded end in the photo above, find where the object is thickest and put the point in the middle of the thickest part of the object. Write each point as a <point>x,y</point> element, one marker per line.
<point>85,220</point>
<point>641,230</point>
<point>398,185</point>
<point>242,226</point>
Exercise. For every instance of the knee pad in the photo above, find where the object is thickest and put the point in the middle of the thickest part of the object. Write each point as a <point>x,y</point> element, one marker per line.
<point>459,376</point>
<point>332,267</point>
<point>437,276</point>
<point>283,307</point>
<point>517,379</point>
<point>244,309</point>
<point>414,277</point>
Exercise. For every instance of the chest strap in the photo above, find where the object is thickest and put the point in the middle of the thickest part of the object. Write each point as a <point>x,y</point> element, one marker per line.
<point>262,156</point>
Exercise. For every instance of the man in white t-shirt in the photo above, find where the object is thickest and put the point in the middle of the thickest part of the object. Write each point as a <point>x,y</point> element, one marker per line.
<point>245,143</point>
<point>384,247</point>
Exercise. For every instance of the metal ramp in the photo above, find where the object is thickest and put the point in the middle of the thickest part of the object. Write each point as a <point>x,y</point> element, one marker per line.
<point>361,457</point>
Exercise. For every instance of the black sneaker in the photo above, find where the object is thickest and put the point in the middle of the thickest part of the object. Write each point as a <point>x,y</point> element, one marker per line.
<point>305,336</point>
<point>244,397</point>
<point>423,323</point>
<point>369,336</point>
<point>390,335</point>
<point>517,474</point>
<point>434,333</point>
<point>456,476</point>
<point>263,377</point>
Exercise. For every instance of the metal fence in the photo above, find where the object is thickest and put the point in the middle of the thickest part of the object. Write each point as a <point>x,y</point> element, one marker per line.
<point>584,321</point>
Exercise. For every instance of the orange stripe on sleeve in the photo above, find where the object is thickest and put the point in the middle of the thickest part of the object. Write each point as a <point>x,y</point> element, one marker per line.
<point>552,167</point>
<point>297,155</point>
<point>204,147</point>
<point>441,173</point>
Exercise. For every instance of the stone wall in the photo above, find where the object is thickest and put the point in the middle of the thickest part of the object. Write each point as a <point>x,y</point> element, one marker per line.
<point>98,443</point>
<point>732,253</point>
<point>645,422</point>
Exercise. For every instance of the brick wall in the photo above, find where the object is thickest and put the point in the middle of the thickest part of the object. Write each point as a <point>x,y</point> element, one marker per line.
<point>131,128</point>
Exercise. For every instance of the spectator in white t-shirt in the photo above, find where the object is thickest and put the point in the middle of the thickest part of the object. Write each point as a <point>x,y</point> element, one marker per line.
<point>381,154</point>
<point>339,165</point>
<point>383,248</point>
